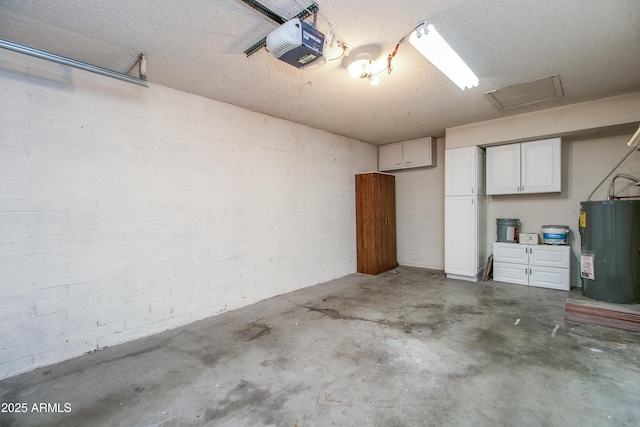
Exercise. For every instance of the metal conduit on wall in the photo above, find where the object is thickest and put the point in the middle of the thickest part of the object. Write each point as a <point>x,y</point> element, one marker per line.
<point>16,47</point>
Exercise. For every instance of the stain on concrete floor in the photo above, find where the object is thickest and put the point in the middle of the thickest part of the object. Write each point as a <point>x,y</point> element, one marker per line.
<point>405,348</point>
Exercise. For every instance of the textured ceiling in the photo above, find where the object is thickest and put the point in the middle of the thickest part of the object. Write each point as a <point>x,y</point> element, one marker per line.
<point>197,46</point>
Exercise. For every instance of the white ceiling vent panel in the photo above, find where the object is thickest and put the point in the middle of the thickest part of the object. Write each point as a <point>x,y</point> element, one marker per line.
<point>526,93</point>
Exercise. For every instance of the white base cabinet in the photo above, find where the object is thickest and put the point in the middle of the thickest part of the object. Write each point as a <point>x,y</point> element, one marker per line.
<point>543,266</point>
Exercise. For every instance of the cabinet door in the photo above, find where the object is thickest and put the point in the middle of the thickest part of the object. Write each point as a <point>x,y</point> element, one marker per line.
<point>481,233</point>
<point>387,201</point>
<point>460,238</point>
<point>417,153</point>
<point>481,177</point>
<point>550,256</point>
<point>511,252</point>
<point>460,171</point>
<point>366,223</point>
<point>390,157</point>
<point>503,169</point>
<point>549,277</point>
<point>541,166</point>
<point>510,273</point>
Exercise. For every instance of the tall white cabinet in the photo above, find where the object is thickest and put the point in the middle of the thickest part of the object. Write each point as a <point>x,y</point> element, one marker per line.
<point>465,213</point>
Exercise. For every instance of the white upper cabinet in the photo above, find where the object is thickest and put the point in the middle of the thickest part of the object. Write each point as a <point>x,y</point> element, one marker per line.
<point>503,169</point>
<point>464,171</point>
<point>541,166</point>
<point>390,157</point>
<point>527,167</point>
<point>404,155</point>
<point>417,152</point>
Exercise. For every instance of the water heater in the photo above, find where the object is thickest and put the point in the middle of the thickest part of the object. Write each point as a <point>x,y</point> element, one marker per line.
<point>610,258</point>
<point>297,43</point>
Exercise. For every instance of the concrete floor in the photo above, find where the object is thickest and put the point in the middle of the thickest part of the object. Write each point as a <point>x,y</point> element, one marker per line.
<point>405,348</point>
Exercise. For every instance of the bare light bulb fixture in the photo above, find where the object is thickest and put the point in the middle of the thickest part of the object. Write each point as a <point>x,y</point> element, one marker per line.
<point>363,67</point>
<point>432,46</point>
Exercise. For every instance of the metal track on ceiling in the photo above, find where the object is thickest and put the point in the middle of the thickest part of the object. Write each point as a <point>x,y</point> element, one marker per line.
<point>305,13</point>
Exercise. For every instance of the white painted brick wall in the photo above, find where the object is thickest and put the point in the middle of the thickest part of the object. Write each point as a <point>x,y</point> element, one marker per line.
<point>126,211</point>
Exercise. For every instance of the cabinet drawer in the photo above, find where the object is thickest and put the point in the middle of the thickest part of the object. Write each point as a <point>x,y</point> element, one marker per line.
<point>550,256</point>
<point>510,252</point>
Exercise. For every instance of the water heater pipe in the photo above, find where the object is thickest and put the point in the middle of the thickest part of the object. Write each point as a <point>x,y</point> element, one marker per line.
<point>612,186</point>
<point>613,170</point>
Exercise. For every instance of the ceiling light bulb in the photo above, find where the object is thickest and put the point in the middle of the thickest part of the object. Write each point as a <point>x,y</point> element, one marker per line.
<point>374,80</point>
<point>362,66</point>
<point>357,69</point>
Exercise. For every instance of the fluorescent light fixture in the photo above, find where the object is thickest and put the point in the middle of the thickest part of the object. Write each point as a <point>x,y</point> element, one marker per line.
<point>429,43</point>
<point>634,139</point>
